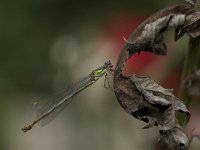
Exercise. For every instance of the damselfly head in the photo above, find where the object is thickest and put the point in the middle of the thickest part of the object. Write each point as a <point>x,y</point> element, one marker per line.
<point>108,66</point>
<point>99,72</point>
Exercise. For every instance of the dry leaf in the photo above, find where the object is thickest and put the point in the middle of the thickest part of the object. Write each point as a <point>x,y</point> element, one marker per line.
<point>146,100</point>
<point>175,138</point>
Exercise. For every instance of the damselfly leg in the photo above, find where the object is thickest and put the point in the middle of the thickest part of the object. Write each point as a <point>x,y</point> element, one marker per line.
<point>107,84</point>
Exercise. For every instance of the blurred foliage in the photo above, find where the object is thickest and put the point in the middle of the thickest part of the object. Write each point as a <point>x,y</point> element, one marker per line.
<point>28,28</point>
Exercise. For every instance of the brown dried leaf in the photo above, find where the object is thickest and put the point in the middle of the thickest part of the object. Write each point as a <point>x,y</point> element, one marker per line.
<point>175,138</point>
<point>163,99</point>
<point>142,97</point>
<point>146,100</point>
<point>192,24</point>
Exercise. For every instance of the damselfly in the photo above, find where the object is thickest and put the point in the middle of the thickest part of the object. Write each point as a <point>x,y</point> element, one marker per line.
<point>66,98</point>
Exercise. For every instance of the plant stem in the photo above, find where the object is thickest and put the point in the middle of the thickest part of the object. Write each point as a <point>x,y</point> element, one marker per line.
<point>192,61</point>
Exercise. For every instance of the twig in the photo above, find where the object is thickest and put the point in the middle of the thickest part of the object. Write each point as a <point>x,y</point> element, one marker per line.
<point>192,61</point>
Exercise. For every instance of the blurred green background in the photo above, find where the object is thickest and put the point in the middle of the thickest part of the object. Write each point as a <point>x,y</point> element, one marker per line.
<point>48,44</point>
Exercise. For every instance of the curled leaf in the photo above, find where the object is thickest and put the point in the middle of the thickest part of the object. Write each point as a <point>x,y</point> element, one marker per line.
<point>146,100</point>
<point>161,98</point>
<point>142,97</point>
<point>175,138</point>
<point>192,24</point>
